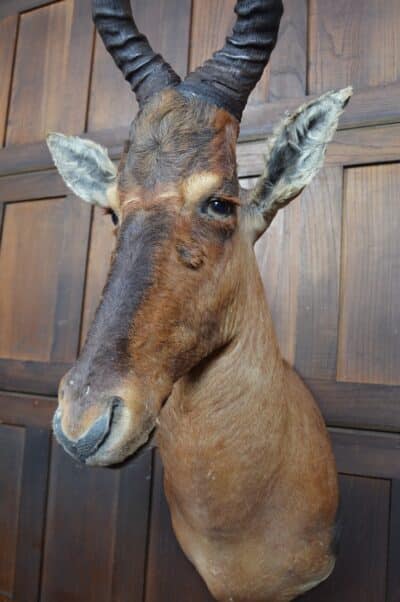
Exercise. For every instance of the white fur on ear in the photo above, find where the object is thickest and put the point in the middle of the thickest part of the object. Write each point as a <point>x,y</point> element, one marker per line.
<point>84,166</point>
<point>296,152</point>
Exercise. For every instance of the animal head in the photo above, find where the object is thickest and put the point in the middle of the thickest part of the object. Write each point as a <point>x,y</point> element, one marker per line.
<point>184,267</point>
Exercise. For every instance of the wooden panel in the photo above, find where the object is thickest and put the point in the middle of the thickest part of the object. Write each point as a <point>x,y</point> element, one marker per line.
<point>170,575</point>
<point>318,295</point>
<point>353,43</point>
<point>167,25</point>
<point>393,587</point>
<point>26,410</point>
<point>42,325</point>
<point>369,342</point>
<point>278,260</point>
<point>41,378</point>
<point>360,573</point>
<point>289,59</point>
<point>52,71</point>
<point>96,531</point>
<point>10,7</point>
<point>8,33</point>
<point>212,22</point>
<point>32,514</point>
<point>11,455</point>
<point>358,405</point>
<point>101,245</point>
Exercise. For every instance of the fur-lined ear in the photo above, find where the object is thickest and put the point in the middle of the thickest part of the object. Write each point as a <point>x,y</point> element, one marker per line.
<point>296,152</point>
<point>85,167</point>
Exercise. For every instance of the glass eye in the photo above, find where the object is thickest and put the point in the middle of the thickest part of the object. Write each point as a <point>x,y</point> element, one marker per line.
<point>220,207</point>
<point>114,218</point>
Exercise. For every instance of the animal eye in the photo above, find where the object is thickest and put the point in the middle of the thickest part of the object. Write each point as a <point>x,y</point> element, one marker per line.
<point>220,207</point>
<point>114,217</point>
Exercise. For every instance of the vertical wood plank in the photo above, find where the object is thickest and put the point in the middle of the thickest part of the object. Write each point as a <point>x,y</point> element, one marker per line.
<point>170,575</point>
<point>393,587</point>
<point>51,71</point>
<point>12,441</point>
<point>8,33</point>
<point>353,43</point>
<point>132,529</point>
<point>279,262</point>
<point>212,22</point>
<point>166,23</point>
<point>369,340</point>
<point>289,59</point>
<point>32,514</point>
<point>318,297</point>
<point>360,572</point>
<point>43,251</point>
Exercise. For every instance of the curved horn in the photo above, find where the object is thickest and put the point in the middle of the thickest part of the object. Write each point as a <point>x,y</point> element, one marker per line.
<point>146,71</point>
<point>227,79</point>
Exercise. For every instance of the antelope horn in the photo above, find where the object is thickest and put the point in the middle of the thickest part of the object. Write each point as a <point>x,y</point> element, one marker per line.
<point>227,79</point>
<point>146,71</point>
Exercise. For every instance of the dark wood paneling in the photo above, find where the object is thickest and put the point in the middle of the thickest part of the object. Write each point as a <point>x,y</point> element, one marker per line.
<point>319,278</point>
<point>32,514</point>
<point>353,43</point>
<point>26,410</point>
<point>44,325</point>
<point>167,25</point>
<point>393,583</point>
<point>12,441</point>
<point>170,576</point>
<point>8,33</point>
<point>369,342</point>
<point>32,377</point>
<point>360,572</point>
<point>358,405</point>
<point>51,70</point>
<point>289,59</point>
<point>96,531</point>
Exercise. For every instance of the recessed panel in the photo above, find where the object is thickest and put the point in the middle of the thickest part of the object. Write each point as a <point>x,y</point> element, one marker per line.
<point>369,327</point>
<point>353,43</point>
<point>42,264</point>
<point>51,73</point>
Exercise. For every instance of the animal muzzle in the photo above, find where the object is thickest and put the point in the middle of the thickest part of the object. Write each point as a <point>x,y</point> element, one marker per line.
<point>90,442</point>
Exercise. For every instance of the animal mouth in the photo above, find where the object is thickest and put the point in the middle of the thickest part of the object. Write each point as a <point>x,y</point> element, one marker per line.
<point>93,439</point>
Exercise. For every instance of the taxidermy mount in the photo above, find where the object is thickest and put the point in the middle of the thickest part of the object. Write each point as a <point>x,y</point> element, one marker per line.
<point>183,341</point>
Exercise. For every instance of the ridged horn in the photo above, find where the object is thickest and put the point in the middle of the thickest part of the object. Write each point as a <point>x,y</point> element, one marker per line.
<point>146,71</point>
<point>227,79</point>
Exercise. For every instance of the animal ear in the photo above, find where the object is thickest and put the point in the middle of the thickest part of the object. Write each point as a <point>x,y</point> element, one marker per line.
<point>295,153</point>
<point>84,166</point>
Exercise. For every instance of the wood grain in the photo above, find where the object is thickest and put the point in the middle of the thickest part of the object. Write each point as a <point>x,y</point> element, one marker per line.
<point>360,572</point>
<point>319,278</point>
<point>369,341</point>
<point>52,71</point>
<point>8,33</point>
<point>40,378</point>
<point>44,324</point>
<point>353,43</point>
<point>393,583</point>
<point>212,22</point>
<point>12,441</point>
<point>170,575</point>
<point>166,23</point>
<point>26,410</point>
<point>90,528</point>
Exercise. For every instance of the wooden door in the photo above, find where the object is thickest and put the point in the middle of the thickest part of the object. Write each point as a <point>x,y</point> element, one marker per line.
<point>330,264</point>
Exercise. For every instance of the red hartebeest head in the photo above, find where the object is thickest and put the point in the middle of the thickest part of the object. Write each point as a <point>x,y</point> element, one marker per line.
<point>185,230</point>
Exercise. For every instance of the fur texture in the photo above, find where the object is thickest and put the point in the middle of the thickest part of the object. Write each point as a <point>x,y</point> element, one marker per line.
<point>296,152</point>
<point>84,166</point>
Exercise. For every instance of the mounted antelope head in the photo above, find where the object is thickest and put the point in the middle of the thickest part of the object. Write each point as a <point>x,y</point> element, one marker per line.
<point>183,337</point>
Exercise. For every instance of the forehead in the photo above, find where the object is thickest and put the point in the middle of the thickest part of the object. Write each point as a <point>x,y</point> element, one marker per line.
<point>175,138</point>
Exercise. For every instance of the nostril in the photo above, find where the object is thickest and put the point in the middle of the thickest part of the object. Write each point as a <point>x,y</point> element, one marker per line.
<point>90,441</point>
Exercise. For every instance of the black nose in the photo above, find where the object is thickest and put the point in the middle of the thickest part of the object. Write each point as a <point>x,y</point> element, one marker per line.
<point>90,441</point>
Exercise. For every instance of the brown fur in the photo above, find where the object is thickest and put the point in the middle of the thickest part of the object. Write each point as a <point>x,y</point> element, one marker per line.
<point>249,472</point>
